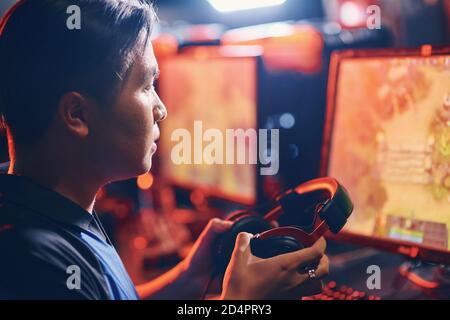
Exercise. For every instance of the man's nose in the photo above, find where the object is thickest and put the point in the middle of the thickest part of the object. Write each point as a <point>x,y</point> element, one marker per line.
<point>159,111</point>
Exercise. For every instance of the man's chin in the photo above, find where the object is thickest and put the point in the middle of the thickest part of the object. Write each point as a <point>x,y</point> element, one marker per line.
<point>135,167</point>
<point>147,163</point>
<point>145,167</point>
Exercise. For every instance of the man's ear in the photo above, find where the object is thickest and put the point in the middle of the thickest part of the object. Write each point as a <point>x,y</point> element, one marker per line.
<point>73,110</point>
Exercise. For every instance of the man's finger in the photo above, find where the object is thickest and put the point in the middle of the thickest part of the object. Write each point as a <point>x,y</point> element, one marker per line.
<point>320,271</point>
<point>305,256</point>
<point>214,227</point>
<point>324,267</point>
<point>242,245</point>
<point>301,284</point>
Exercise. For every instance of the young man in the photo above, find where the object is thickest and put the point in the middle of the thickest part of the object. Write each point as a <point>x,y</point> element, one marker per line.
<point>81,111</point>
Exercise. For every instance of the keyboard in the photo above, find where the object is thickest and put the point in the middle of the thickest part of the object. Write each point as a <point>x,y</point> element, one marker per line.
<point>331,291</point>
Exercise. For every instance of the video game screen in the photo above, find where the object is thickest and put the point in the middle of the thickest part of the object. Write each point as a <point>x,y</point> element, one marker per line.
<point>390,146</point>
<point>202,94</point>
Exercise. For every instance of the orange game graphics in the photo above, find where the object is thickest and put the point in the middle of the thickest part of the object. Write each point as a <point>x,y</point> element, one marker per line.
<point>391,146</point>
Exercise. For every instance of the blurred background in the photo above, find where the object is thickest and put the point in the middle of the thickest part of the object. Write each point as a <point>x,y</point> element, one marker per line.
<point>245,64</point>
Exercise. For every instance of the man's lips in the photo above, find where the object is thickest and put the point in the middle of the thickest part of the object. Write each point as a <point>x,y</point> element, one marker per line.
<point>156,134</point>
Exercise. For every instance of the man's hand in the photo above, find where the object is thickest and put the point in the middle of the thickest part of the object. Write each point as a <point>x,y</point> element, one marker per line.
<point>189,278</point>
<point>199,264</point>
<point>283,276</point>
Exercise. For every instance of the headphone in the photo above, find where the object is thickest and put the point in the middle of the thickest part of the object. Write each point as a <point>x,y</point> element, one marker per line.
<point>319,205</point>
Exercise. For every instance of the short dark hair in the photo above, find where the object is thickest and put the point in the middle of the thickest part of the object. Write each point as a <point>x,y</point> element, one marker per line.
<point>41,59</point>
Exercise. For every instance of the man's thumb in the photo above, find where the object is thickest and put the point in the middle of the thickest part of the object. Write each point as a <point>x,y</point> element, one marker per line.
<point>242,244</point>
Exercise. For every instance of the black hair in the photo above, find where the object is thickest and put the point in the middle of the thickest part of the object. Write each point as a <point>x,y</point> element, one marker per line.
<point>41,58</point>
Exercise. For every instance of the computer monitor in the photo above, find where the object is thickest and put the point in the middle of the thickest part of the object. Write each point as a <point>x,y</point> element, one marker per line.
<point>387,139</point>
<point>206,89</point>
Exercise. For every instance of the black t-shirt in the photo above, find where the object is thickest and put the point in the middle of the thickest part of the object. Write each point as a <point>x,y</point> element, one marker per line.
<point>40,242</point>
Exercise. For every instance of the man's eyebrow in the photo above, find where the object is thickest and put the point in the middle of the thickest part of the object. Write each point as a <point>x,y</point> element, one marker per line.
<point>154,73</point>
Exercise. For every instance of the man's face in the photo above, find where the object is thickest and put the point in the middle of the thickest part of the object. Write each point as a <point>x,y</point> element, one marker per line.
<point>125,133</point>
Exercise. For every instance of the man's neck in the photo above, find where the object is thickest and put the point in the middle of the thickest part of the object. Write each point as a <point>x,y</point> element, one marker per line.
<point>63,178</point>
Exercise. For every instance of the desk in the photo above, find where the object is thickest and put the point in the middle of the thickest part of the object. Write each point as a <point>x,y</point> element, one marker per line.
<point>348,266</point>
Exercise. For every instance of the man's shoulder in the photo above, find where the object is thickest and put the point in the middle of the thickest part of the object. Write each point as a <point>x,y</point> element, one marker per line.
<point>20,233</point>
<point>37,257</point>
<point>35,245</point>
<point>20,239</point>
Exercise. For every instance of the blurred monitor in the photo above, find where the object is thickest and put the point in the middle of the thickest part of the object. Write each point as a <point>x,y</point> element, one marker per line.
<point>387,140</point>
<point>218,92</point>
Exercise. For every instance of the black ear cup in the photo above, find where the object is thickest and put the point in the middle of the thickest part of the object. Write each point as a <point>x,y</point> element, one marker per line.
<point>300,209</point>
<point>250,223</point>
<point>336,212</point>
<point>274,246</point>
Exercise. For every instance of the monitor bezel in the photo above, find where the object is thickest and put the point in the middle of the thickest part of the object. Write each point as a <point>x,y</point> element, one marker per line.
<point>410,249</point>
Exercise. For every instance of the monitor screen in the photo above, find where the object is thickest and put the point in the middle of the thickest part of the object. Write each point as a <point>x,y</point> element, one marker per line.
<point>389,145</point>
<point>208,93</point>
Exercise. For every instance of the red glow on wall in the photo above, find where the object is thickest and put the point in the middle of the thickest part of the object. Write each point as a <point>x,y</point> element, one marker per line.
<point>140,243</point>
<point>165,45</point>
<point>197,197</point>
<point>285,46</point>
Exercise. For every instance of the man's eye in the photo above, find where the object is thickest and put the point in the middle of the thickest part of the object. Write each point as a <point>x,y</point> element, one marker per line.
<point>149,88</point>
